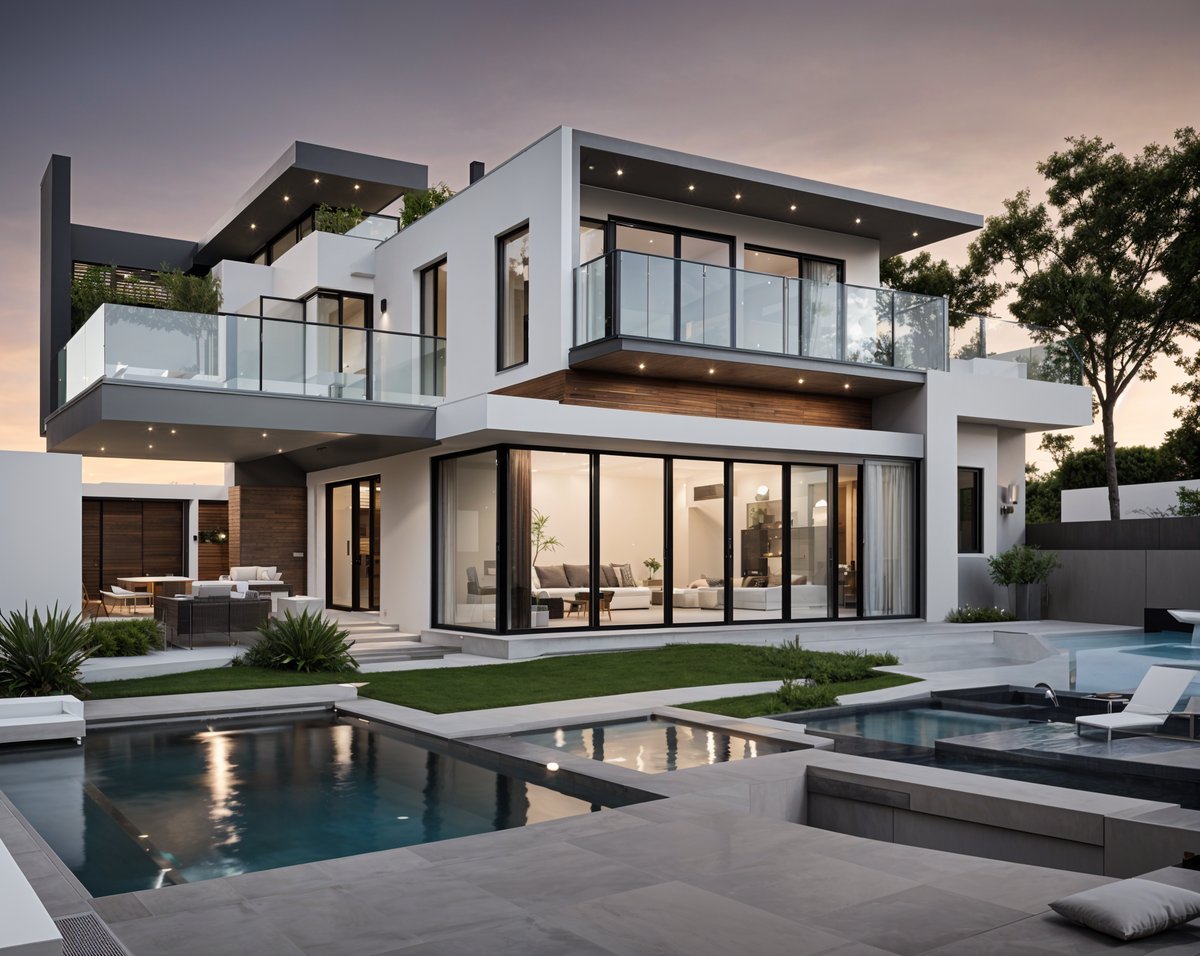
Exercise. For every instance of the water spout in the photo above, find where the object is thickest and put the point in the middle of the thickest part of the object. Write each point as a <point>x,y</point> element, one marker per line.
<point>1048,692</point>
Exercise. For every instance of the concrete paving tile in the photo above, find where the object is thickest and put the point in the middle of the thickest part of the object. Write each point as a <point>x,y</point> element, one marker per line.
<point>188,896</point>
<point>59,896</point>
<point>351,868</point>
<point>915,920</point>
<point>286,879</point>
<point>116,909</point>
<point>913,863</point>
<point>528,937</point>
<point>233,928</point>
<point>675,918</point>
<point>1051,935</point>
<point>859,949</point>
<point>35,864</point>
<point>1025,888</point>
<point>551,875</point>
<point>332,920</point>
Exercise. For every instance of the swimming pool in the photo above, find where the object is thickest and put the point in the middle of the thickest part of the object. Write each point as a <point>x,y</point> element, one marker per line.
<point>915,726</point>
<point>137,808</point>
<point>1107,661</point>
<point>653,745</point>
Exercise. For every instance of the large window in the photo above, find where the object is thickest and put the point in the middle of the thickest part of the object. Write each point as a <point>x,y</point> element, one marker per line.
<point>970,523</point>
<point>512,268</point>
<point>529,538</point>
<point>465,541</point>
<point>433,322</point>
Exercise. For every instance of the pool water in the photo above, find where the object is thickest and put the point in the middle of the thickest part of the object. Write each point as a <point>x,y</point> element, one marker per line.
<point>915,726</point>
<point>135,809</point>
<point>1117,662</point>
<point>652,745</point>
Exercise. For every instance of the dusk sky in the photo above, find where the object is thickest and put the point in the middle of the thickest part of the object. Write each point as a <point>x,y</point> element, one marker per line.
<point>170,112</point>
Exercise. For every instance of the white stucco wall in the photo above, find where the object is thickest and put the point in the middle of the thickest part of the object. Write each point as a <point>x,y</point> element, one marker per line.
<point>1091,504</point>
<point>41,514</point>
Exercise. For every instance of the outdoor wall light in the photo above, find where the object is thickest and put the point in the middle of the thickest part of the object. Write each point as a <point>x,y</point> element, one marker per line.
<point>383,312</point>
<point>1009,498</point>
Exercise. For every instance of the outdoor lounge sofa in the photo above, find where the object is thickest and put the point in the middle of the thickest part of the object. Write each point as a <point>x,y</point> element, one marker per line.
<point>1151,704</point>
<point>41,718</point>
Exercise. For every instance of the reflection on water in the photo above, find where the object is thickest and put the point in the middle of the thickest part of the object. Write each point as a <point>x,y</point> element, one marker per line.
<point>246,798</point>
<point>651,745</point>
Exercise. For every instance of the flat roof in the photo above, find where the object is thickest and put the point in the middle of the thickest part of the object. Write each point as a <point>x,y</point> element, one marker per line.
<point>307,174</point>
<point>900,225</point>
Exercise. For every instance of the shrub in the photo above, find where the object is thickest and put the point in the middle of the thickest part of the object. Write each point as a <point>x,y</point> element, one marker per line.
<point>125,638</point>
<point>1022,564</point>
<point>823,667</point>
<point>422,201</point>
<point>188,293</point>
<point>309,642</point>
<point>42,656</point>
<point>796,695</point>
<point>336,219</point>
<point>979,615</point>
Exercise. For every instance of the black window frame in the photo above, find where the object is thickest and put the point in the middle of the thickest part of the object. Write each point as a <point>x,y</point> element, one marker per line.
<point>501,271</point>
<point>977,474</point>
<point>432,268</point>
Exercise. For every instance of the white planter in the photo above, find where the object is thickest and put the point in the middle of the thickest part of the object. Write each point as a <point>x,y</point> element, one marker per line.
<point>539,616</point>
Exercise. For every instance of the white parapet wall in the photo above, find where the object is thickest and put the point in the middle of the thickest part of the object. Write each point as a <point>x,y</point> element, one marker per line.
<point>26,929</point>
<point>1091,504</point>
<point>41,563</point>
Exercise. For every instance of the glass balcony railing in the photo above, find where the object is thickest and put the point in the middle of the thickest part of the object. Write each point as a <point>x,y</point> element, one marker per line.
<point>376,227</point>
<point>632,294</point>
<point>1043,353</point>
<point>250,353</point>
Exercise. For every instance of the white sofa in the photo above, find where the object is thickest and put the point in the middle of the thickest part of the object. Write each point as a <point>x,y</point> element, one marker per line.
<point>624,599</point>
<point>253,572</point>
<point>41,718</point>
<point>812,596</point>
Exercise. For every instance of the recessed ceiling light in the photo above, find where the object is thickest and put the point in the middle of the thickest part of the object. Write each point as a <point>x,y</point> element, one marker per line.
<point>287,198</point>
<point>590,167</point>
<point>253,226</point>
<point>102,448</point>
<point>641,365</point>
<point>737,195</point>
<point>793,207</point>
<point>799,381</point>
<point>756,253</point>
<point>691,188</point>
<point>847,385</point>
<point>264,434</point>
<point>357,187</point>
<point>915,233</point>
<point>149,428</point>
<point>149,446</point>
<point>172,431</point>
<point>857,220</point>
<point>552,766</point>
<point>620,172</point>
<point>712,371</point>
<point>316,180</point>
<point>279,451</point>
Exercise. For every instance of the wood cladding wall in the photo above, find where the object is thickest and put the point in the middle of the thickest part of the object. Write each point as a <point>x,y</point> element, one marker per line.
<point>129,537</point>
<point>571,387</point>
<point>213,557</point>
<point>269,526</point>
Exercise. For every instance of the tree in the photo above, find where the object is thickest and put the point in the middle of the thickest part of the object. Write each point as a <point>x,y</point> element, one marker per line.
<point>422,201</point>
<point>1111,260</point>
<point>968,288</point>
<point>1058,446</point>
<point>1181,445</point>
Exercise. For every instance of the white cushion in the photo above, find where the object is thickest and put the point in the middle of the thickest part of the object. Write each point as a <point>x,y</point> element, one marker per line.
<point>267,573</point>
<point>278,576</point>
<point>245,573</point>
<point>1130,909</point>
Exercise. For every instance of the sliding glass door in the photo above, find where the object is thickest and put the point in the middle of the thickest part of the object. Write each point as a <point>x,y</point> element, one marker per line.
<point>889,539</point>
<point>352,513</point>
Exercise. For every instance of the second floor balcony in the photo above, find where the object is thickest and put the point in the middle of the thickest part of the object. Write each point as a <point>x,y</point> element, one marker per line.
<point>245,353</point>
<point>631,294</point>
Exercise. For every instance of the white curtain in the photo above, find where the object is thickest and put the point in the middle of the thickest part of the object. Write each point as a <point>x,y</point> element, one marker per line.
<point>888,542</point>
<point>819,294</point>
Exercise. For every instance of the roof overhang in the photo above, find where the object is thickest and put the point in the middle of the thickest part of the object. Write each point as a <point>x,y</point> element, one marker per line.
<point>308,175</point>
<point>899,225</point>
<point>190,424</point>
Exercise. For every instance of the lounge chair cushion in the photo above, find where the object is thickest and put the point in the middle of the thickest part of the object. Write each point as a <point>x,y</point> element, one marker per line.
<point>578,575</point>
<point>1130,909</point>
<point>551,576</point>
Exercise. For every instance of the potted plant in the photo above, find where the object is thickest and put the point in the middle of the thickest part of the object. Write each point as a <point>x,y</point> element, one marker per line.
<point>539,541</point>
<point>1025,568</point>
<point>539,614</point>
<point>652,565</point>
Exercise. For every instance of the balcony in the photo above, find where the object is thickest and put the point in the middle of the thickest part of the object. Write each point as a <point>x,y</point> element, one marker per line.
<point>632,295</point>
<point>1038,353</point>
<point>242,353</point>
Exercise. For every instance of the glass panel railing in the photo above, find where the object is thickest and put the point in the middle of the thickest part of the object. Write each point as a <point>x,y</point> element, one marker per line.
<point>375,227</point>
<point>253,354</point>
<point>1042,354</point>
<point>635,294</point>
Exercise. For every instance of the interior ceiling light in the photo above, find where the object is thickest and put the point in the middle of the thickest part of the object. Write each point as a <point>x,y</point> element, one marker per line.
<point>691,188</point>
<point>620,172</point>
<point>915,234</point>
<point>253,226</point>
<point>799,381</point>
<point>641,365</point>
<point>857,220</point>
<point>737,195</point>
<point>591,167</point>
<point>357,187</point>
<point>316,180</point>
<point>149,446</point>
<point>847,385</point>
<point>712,371</point>
<point>265,434</point>
<point>287,198</point>
<point>102,448</point>
<point>279,451</point>
<point>172,431</point>
<point>793,207</point>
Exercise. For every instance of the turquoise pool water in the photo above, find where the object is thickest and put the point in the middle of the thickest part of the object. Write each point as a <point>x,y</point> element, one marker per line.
<point>1117,662</point>
<point>652,745</point>
<point>134,809</point>
<point>914,726</point>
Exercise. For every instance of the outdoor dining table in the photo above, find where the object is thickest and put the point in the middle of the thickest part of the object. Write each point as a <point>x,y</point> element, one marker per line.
<point>151,583</point>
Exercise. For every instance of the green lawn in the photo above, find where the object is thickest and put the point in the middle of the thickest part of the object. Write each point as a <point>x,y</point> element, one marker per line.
<point>763,705</point>
<point>495,685</point>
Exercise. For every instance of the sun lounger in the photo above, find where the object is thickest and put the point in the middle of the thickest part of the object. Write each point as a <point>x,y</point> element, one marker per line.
<point>1151,704</point>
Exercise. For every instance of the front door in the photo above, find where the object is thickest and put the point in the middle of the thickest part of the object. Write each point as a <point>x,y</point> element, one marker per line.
<point>352,512</point>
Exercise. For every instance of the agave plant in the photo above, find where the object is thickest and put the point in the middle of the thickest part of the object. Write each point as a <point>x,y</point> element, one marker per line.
<point>42,655</point>
<point>309,642</point>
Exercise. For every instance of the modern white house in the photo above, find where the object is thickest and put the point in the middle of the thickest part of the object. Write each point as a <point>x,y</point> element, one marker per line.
<point>680,371</point>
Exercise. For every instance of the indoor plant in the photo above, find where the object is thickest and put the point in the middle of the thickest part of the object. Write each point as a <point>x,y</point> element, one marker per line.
<point>1026,568</point>
<point>652,565</point>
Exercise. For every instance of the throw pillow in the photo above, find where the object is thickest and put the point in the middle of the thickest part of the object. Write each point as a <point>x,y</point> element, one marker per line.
<point>608,577</point>
<point>578,575</point>
<point>1130,909</point>
<point>267,573</point>
<point>551,576</point>
<point>698,583</point>
<point>625,575</point>
<point>799,579</point>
